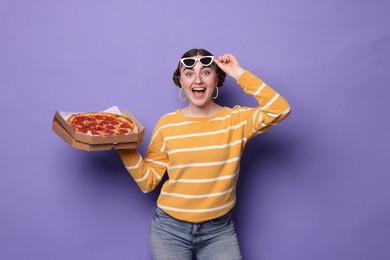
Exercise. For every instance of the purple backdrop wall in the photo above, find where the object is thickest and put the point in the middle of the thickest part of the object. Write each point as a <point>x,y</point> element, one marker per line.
<point>315,187</point>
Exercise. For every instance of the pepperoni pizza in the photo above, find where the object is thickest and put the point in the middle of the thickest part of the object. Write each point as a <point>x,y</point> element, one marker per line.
<point>102,124</point>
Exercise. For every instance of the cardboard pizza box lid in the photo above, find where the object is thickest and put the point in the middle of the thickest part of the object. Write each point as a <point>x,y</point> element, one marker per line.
<point>94,140</point>
<point>58,128</point>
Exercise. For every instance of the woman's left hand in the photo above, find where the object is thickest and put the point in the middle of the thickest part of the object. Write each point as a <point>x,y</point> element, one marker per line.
<point>230,65</point>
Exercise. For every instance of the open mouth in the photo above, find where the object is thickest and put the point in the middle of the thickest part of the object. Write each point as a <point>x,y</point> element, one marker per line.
<point>199,90</point>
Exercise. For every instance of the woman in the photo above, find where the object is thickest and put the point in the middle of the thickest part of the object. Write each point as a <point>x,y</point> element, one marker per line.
<point>200,147</point>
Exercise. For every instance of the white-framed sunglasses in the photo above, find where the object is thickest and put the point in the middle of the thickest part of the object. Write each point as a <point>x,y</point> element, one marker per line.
<point>190,61</point>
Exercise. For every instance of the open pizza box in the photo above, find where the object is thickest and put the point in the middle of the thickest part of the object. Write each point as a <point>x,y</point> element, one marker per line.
<point>88,142</point>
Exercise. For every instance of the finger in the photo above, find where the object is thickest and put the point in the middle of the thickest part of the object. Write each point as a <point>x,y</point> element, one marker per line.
<point>219,59</point>
<point>224,58</point>
<point>227,58</point>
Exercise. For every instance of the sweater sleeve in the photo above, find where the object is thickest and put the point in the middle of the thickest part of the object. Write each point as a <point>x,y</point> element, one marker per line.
<point>147,171</point>
<point>272,108</point>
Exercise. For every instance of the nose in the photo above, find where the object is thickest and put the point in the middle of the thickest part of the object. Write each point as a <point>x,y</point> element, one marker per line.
<point>198,78</point>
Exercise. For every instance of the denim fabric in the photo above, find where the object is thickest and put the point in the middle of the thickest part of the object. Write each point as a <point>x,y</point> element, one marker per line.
<point>172,239</point>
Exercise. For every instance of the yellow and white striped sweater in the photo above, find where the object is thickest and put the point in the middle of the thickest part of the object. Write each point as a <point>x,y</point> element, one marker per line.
<point>202,155</point>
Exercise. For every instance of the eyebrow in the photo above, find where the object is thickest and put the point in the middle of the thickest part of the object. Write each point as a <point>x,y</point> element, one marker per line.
<point>203,67</point>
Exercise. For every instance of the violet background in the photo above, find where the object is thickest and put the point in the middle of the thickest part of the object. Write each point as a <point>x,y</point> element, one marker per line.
<point>314,187</point>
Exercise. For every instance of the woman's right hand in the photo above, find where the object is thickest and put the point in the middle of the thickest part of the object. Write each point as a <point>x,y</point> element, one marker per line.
<point>230,65</point>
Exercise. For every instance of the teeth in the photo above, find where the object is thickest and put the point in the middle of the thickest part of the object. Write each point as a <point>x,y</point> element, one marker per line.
<point>199,89</point>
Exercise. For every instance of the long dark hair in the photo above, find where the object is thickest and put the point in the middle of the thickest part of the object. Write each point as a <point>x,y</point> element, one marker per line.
<point>202,52</point>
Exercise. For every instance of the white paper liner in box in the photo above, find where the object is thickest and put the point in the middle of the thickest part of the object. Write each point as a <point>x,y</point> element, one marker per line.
<point>113,109</point>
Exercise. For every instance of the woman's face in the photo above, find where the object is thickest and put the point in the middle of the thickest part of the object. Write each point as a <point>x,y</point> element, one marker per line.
<point>198,83</point>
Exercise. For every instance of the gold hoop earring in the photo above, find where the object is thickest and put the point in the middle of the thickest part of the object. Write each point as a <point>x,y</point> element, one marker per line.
<point>182,99</point>
<point>214,97</point>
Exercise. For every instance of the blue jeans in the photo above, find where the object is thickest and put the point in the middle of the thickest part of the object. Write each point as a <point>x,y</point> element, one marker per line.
<point>171,238</point>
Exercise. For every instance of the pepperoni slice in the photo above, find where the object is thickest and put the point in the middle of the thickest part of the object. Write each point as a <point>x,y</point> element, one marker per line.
<point>122,131</point>
<point>83,130</point>
<point>81,118</point>
<point>109,132</point>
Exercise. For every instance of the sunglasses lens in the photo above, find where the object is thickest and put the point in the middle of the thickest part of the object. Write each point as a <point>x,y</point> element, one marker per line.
<point>188,62</point>
<point>206,61</point>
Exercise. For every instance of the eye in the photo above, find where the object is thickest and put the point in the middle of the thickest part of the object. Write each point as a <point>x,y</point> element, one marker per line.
<point>189,74</point>
<point>206,72</point>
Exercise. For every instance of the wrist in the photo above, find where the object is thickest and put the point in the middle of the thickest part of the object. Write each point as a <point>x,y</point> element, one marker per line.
<point>237,73</point>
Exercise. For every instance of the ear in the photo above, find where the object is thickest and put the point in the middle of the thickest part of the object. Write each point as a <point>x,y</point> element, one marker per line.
<point>177,81</point>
